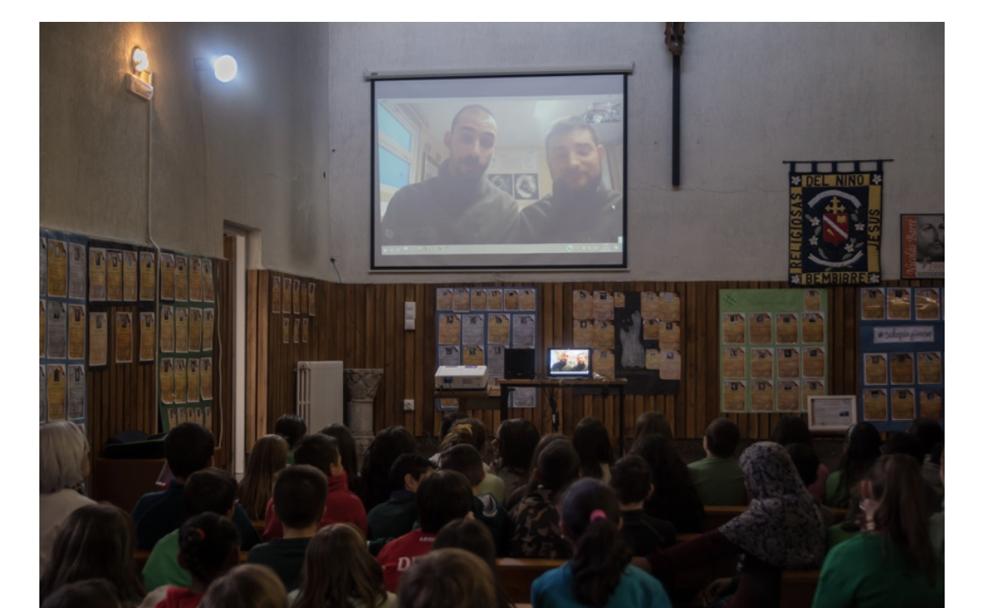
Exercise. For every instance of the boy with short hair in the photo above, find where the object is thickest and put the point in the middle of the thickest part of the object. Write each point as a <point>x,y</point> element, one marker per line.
<point>292,428</point>
<point>299,501</point>
<point>396,516</point>
<point>441,497</point>
<point>718,477</point>
<point>341,506</point>
<point>465,459</point>
<point>188,448</point>
<point>209,490</point>
<point>633,485</point>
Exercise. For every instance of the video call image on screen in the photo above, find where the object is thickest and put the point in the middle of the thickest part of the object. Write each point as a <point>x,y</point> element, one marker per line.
<point>524,171</point>
<point>569,362</point>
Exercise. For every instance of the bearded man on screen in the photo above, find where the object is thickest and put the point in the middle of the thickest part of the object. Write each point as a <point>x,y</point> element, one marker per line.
<point>580,209</point>
<point>459,206</point>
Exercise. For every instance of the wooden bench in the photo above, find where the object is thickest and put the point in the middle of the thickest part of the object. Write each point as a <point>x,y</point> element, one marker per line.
<point>717,516</point>
<point>797,588</point>
<point>517,574</point>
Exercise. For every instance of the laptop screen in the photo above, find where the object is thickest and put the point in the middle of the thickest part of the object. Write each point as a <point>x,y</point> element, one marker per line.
<point>569,362</point>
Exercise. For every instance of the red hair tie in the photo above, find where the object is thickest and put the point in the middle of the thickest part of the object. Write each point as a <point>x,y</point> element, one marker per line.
<point>598,514</point>
<point>200,533</point>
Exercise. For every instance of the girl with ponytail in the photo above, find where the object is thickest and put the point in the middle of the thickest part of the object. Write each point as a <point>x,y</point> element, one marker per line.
<point>600,573</point>
<point>209,548</point>
<point>893,562</point>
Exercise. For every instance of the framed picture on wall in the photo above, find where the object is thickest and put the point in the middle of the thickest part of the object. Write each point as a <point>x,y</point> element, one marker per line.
<point>835,413</point>
<point>922,245</point>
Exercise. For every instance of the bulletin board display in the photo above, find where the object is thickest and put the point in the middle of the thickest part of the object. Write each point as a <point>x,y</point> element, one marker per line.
<point>475,326</point>
<point>773,351</point>
<point>900,362</point>
<point>633,335</point>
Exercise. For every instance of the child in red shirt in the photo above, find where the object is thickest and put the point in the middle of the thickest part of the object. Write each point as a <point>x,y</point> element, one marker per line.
<point>209,548</point>
<point>441,498</point>
<point>341,506</point>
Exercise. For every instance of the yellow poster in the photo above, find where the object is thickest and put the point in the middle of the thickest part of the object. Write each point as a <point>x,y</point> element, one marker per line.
<point>57,385</point>
<point>875,368</point>
<point>57,273</point>
<point>789,362</point>
<point>167,329</point>
<point>130,276</point>
<point>669,306</point>
<point>208,419</point>
<point>903,404</point>
<point>763,395</point>
<point>194,388</point>
<point>148,276</point>
<point>473,355</point>
<point>478,299</point>
<point>305,330</point>
<point>603,363</point>
<point>760,328</point>
<point>208,281</point>
<point>813,327</point>
<point>148,336</point>
<point>493,299</point>
<point>286,288</point>
<point>194,281</point>
<point>180,278</point>
<point>789,397</point>
<point>810,388</point>
<point>619,297</point>
<point>449,328</point>
<point>812,300</point>
<point>296,295</point>
<point>761,363</point>
<point>303,297</point>
<point>498,329</point>
<point>180,380</point>
<point>511,299</point>
<point>734,396</point>
<point>123,331</point>
<point>603,306</point>
<point>899,306</point>
<point>527,299</point>
<point>206,373</point>
<point>208,328</point>
<point>650,329</point>
<point>76,331</point>
<point>931,404</point>
<point>44,315</point>
<point>76,279</point>
<point>872,304</point>
<point>927,304</point>
<point>670,365</point>
<point>285,329</point>
<point>194,330</point>
<point>653,358</point>
<point>787,328</point>
<point>445,298</point>
<point>813,362</point>
<point>180,329</point>
<point>733,326</point>
<point>312,290</point>
<point>583,304</point>
<point>114,275</point>
<point>98,338</point>
<point>583,332</point>
<point>275,294</point>
<point>930,368</point>
<point>902,368</point>
<point>167,276</point>
<point>875,404</point>
<point>97,274</point>
<point>669,336</point>
<point>462,299</point>
<point>297,330</point>
<point>167,380</point>
<point>733,362</point>
<point>604,337</point>
<point>172,417</point>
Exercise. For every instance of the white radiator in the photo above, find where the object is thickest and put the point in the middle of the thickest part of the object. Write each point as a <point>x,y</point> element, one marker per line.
<point>320,394</point>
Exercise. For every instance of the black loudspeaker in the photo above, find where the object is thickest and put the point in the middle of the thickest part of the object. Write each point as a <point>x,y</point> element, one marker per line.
<point>520,363</point>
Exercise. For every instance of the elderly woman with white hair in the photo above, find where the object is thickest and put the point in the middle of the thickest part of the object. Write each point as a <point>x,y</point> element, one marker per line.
<point>64,465</point>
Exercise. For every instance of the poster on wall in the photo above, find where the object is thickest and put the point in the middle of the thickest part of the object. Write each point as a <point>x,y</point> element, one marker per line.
<point>922,245</point>
<point>901,356</point>
<point>835,223</point>
<point>773,348</point>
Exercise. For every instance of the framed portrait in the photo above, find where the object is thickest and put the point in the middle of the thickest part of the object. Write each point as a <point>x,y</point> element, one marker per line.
<point>922,245</point>
<point>835,413</point>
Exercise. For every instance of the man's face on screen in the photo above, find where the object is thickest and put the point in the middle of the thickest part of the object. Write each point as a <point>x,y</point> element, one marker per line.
<point>471,143</point>
<point>575,161</point>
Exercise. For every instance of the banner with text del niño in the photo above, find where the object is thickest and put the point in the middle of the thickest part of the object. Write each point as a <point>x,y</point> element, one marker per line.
<point>835,224</point>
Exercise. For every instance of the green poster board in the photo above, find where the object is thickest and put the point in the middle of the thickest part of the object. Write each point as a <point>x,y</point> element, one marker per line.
<point>773,349</point>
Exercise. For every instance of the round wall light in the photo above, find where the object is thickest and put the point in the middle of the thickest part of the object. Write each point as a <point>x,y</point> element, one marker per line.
<point>225,68</point>
<point>139,61</point>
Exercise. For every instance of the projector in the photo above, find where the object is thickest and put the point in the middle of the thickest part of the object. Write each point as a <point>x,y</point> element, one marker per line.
<point>461,377</point>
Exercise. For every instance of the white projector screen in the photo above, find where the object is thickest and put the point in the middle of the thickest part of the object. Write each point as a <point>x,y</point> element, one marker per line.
<point>499,172</point>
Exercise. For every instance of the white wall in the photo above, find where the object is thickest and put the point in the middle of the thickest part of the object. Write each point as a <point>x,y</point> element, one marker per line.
<point>753,95</point>
<point>287,145</point>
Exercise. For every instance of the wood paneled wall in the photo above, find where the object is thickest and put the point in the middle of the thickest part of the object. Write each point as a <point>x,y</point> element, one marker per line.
<point>362,325</point>
<point>120,397</point>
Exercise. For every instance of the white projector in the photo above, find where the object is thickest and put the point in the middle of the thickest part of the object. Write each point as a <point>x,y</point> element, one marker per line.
<point>461,377</point>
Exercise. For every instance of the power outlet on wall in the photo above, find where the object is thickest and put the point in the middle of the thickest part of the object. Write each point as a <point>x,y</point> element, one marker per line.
<point>408,405</point>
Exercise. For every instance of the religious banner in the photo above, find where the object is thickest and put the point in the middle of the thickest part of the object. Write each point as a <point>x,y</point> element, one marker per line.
<point>835,224</point>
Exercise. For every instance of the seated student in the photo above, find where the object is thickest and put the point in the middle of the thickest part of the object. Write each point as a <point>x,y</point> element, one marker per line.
<point>520,492</point>
<point>207,491</point>
<point>341,506</point>
<point>717,477</point>
<point>514,444</point>
<point>188,447</point>
<point>396,516</point>
<point>929,433</point>
<point>448,578</point>
<point>861,448</point>
<point>594,448</point>
<point>209,548</point>
<point>299,502</point>
<point>536,520</point>
<point>327,581</point>
<point>386,447</point>
<point>652,423</point>
<point>269,457</point>
<point>936,520</point>
<point>442,497</point>
<point>474,537</point>
<point>246,586</point>
<point>94,542</point>
<point>64,466</point>
<point>292,428</point>
<point>892,564</point>
<point>780,529</point>
<point>90,593</point>
<point>600,572</point>
<point>346,447</point>
<point>465,459</point>
<point>807,464</point>
<point>675,498</point>
<point>633,485</point>
<point>491,483</point>
<point>793,429</point>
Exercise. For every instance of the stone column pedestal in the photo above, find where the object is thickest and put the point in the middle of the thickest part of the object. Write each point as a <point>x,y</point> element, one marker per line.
<point>361,385</point>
